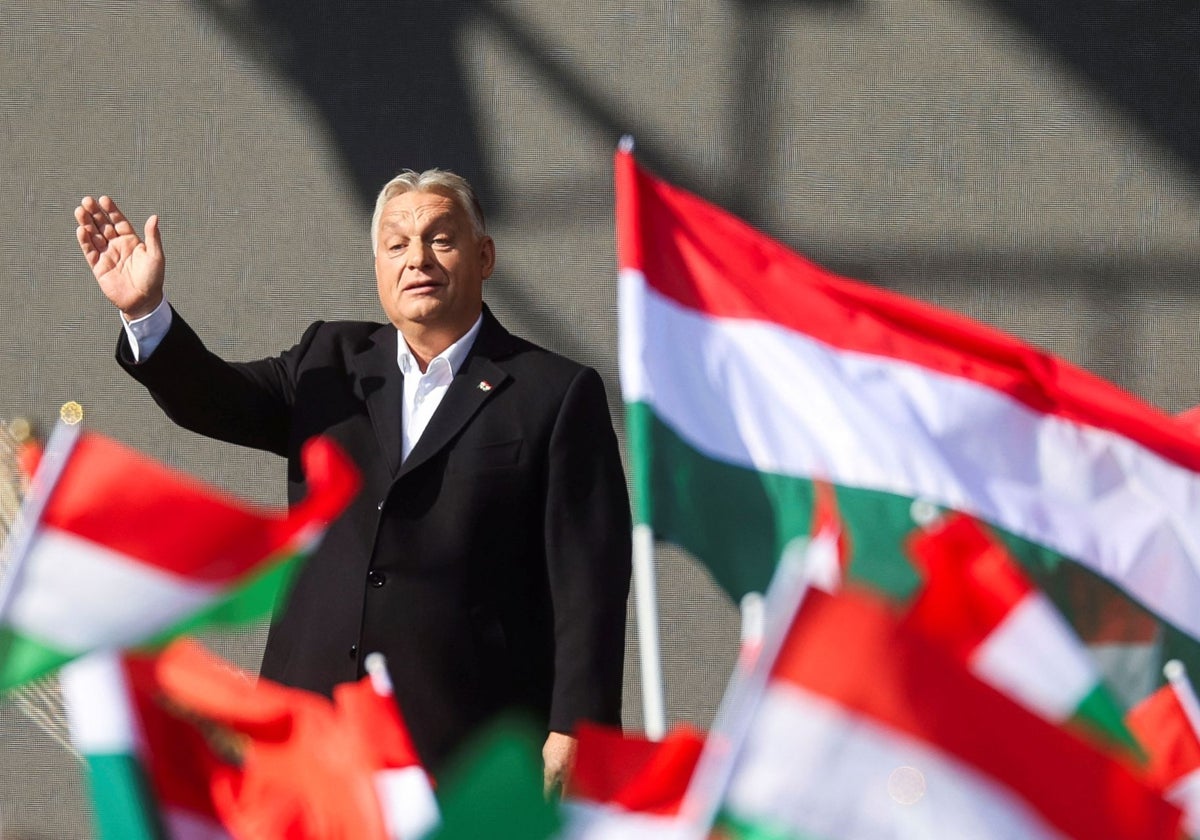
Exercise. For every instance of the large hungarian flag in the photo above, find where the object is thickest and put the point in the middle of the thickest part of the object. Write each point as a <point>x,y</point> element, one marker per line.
<point>748,371</point>
<point>130,553</point>
<point>868,730</point>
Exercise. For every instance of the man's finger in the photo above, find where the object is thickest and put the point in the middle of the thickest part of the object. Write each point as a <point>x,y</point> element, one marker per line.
<point>153,237</point>
<point>116,217</point>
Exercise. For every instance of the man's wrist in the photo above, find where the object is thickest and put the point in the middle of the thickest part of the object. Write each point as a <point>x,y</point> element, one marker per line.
<point>144,310</point>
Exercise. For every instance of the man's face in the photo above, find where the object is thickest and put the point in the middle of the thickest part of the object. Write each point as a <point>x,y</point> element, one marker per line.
<point>430,265</point>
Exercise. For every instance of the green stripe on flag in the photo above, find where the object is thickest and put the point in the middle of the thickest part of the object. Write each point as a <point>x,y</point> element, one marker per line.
<point>123,808</point>
<point>741,829</point>
<point>252,599</point>
<point>1100,714</point>
<point>737,521</point>
<point>23,659</point>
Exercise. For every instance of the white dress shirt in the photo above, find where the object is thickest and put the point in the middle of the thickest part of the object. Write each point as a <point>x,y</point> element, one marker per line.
<point>423,392</point>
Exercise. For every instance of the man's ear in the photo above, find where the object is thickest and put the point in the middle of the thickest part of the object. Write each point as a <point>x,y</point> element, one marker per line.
<point>487,255</point>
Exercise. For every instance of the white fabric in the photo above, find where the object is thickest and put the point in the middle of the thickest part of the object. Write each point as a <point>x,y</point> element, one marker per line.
<point>1035,657</point>
<point>815,769</point>
<point>756,395</point>
<point>127,601</point>
<point>423,392</point>
<point>96,699</point>
<point>147,332</point>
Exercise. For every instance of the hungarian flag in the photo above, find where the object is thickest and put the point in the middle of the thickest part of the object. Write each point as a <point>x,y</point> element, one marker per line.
<point>303,767</point>
<point>977,603</point>
<point>129,553</point>
<point>748,372</point>
<point>867,730</point>
<point>147,768</point>
<point>1167,731</point>
<point>625,786</point>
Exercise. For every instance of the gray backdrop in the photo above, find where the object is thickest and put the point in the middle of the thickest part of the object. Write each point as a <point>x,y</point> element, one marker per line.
<point>1032,164</point>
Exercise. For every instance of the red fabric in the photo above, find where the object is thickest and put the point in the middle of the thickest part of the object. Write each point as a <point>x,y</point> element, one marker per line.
<point>182,526</point>
<point>1162,727</point>
<point>707,260</point>
<point>854,650</point>
<point>309,765</point>
<point>971,584</point>
<point>633,772</point>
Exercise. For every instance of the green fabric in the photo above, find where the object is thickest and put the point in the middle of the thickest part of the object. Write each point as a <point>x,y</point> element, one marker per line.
<point>737,521</point>
<point>494,788</point>
<point>23,659</point>
<point>122,806</point>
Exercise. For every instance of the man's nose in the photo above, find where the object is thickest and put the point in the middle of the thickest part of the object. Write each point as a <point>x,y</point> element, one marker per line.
<point>419,254</point>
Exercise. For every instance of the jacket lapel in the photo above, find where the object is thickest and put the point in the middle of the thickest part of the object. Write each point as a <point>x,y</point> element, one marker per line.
<point>380,385</point>
<point>474,384</point>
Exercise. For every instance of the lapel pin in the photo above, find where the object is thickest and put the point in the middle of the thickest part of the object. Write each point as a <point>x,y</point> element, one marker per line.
<point>484,385</point>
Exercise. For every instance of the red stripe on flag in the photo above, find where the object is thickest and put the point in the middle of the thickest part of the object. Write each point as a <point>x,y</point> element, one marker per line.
<point>709,261</point>
<point>1161,725</point>
<point>633,772</point>
<point>852,649</point>
<point>970,586</point>
<point>116,497</point>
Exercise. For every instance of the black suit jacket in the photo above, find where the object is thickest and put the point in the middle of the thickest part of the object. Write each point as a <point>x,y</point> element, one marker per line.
<point>491,568</point>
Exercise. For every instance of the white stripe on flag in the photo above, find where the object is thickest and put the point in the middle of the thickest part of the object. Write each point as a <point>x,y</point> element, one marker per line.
<point>78,595</point>
<point>98,706</point>
<point>816,770</point>
<point>759,396</point>
<point>1033,655</point>
<point>585,820</point>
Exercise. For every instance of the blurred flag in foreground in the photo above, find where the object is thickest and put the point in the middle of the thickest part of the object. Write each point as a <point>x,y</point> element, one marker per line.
<point>748,372</point>
<point>868,730</point>
<point>624,787</point>
<point>978,604</point>
<point>228,756</point>
<point>1165,724</point>
<point>493,788</point>
<point>129,553</point>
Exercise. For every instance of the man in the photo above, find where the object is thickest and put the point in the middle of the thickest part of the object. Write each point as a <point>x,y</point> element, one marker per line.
<point>488,554</point>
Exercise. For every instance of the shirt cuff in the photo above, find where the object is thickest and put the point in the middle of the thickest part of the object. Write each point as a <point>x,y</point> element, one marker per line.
<point>145,333</point>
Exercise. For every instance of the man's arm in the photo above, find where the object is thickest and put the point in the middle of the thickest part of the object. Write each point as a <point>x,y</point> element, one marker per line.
<point>587,522</point>
<point>246,404</point>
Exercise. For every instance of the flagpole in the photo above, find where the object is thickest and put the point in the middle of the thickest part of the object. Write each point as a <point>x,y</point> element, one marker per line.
<point>736,711</point>
<point>1176,675</point>
<point>646,605</point>
<point>50,469</point>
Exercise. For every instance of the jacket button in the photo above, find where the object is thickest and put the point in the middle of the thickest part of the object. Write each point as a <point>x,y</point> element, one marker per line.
<point>380,506</point>
<point>376,578</point>
<point>354,651</point>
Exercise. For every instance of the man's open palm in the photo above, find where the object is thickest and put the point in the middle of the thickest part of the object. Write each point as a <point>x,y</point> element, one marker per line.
<point>128,268</point>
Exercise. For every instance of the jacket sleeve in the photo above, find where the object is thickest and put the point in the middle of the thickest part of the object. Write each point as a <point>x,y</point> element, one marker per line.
<point>587,526</point>
<point>244,403</point>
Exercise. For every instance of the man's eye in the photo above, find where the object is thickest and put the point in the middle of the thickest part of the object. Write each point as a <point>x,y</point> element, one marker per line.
<point>442,241</point>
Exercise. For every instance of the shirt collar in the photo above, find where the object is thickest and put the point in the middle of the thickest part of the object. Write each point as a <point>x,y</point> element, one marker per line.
<point>454,355</point>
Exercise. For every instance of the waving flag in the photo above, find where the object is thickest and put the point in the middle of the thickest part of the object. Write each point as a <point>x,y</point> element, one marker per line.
<point>1167,729</point>
<point>748,372</point>
<point>867,730</point>
<point>979,605</point>
<point>130,553</point>
<point>624,787</point>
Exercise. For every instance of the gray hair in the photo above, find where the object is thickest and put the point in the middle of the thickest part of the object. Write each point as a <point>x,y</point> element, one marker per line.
<point>441,181</point>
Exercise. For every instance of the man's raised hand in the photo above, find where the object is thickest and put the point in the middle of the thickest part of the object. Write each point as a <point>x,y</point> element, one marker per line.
<point>128,269</point>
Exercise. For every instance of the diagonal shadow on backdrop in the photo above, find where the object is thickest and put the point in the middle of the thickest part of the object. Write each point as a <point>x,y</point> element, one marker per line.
<point>383,76</point>
<point>1144,56</point>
